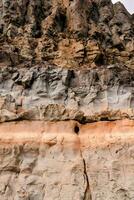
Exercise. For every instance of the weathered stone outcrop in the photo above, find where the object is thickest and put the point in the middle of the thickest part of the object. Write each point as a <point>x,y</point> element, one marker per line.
<point>66,33</point>
<point>66,100</point>
<point>45,92</point>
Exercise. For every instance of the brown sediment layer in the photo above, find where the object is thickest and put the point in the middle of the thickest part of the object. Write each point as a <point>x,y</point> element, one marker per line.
<point>68,33</point>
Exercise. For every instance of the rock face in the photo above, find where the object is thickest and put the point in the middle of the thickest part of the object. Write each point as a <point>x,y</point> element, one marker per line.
<point>45,92</point>
<point>66,100</point>
<point>43,160</point>
<point>66,33</point>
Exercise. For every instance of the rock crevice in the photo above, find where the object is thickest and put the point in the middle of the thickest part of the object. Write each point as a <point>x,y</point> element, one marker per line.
<point>88,194</point>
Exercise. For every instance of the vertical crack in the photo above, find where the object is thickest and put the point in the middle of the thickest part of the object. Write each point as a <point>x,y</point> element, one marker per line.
<point>87,194</point>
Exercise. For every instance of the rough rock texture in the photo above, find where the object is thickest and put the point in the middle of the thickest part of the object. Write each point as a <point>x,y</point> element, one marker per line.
<point>45,92</point>
<point>66,100</point>
<point>67,33</point>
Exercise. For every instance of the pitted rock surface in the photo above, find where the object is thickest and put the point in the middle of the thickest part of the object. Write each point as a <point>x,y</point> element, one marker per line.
<point>66,33</point>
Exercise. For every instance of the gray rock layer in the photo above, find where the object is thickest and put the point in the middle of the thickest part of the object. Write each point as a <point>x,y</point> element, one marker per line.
<point>49,93</point>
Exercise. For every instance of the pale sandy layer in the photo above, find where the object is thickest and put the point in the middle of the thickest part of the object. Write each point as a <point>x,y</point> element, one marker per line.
<point>49,161</point>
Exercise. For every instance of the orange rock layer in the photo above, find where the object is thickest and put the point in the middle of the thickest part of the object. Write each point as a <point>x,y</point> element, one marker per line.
<point>67,132</point>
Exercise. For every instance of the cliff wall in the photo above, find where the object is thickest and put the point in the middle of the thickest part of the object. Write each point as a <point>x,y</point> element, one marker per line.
<point>66,100</point>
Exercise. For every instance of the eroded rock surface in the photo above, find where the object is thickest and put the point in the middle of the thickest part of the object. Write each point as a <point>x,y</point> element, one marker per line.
<point>66,100</point>
<point>45,92</point>
<point>66,33</point>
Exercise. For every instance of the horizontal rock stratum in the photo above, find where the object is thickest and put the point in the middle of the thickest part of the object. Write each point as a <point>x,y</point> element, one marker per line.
<point>46,92</point>
<point>67,160</point>
<point>66,100</point>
